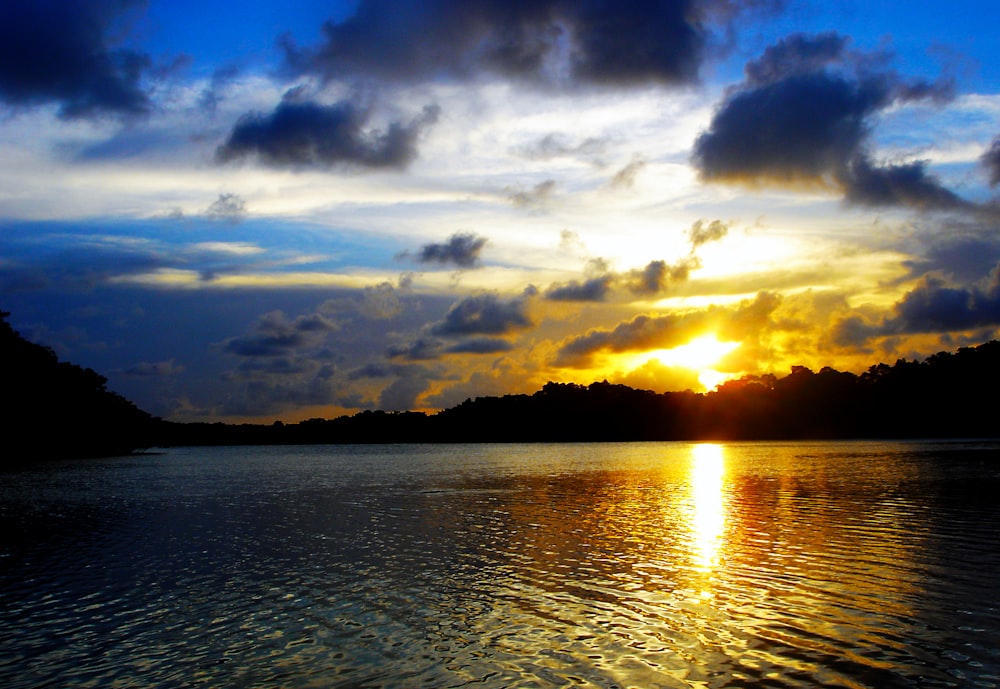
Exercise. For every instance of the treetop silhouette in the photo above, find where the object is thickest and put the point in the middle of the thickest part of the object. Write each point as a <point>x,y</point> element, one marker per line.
<point>57,409</point>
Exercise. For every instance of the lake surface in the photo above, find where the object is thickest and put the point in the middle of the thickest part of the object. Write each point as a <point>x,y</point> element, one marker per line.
<point>607,565</point>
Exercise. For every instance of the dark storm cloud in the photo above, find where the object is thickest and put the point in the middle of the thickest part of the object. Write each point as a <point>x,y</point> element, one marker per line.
<point>904,184</point>
<point>304,134</point>
<point>430,349</point>
<point>854,331</point>
<point>803,117</point>
<point>421,349</point>
<point>462,249</point>
<point>263,345</point>
<point>800,129</point>
<point>485,314</point>
<point>956,286</point>
<point>796,54</point>
<point>277,336</point>
<point>598,41</point>
<point>402,394</point>
<point>481,345</point>
<point>275,365</point>
<point>376,370</point>
<point>593,289</point>
<point>991,161</point>
<point>965,252</point>
<point>52,51</point>
<point>264,394</point>
<point>825,53</point>
<point>636,42</point>
<point>934,306</point>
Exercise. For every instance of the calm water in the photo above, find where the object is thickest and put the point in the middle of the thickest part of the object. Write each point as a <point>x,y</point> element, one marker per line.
<point>608,565</point>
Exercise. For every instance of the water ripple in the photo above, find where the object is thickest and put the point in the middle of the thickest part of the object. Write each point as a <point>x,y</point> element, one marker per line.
<point>649,565</point>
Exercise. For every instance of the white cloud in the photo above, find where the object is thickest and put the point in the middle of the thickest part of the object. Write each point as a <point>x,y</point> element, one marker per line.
<point>233,248</point>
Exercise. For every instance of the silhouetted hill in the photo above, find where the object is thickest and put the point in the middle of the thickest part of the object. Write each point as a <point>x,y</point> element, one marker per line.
<point>56,409</point>
<point>53,409</point>
<point>946,396</point>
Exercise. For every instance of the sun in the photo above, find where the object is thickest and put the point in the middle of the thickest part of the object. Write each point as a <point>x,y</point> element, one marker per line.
<point>702,352</point>
<point>698,355</point>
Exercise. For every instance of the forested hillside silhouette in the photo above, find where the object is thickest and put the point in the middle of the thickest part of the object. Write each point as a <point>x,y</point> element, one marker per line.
<point>54,409</point>
<point>949,395</point>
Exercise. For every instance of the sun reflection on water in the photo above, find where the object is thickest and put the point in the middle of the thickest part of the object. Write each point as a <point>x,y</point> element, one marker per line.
<point>708,516</point>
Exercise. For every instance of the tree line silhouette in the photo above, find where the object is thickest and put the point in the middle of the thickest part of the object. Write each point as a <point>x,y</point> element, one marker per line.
<point>55,409</point>
<point>949,395</point>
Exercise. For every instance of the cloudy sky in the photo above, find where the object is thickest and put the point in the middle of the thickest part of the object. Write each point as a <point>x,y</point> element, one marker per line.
<point>285,210</point>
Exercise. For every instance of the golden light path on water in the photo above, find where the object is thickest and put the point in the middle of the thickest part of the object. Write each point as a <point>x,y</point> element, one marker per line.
<point>708,515</point>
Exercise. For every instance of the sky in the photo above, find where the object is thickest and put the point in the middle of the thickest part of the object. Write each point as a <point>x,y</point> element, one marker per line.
<point>279,211</point>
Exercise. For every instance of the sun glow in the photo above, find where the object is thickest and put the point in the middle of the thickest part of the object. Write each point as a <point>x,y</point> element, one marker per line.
<point>699,355</point>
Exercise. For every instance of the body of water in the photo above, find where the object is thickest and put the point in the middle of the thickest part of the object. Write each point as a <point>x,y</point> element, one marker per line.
<point>606,565</point>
